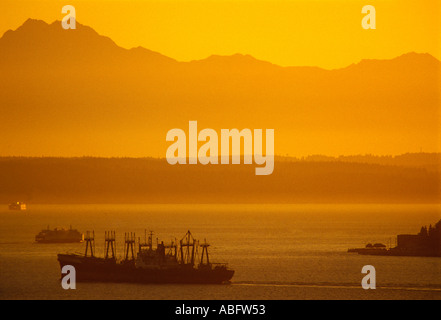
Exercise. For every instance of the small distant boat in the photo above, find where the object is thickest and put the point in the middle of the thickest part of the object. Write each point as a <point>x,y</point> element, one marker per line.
<point>371,249</point>
<point>17,206</point>
<point>59,235</point>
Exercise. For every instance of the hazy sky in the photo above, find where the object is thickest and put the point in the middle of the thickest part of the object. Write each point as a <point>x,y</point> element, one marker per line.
<point>319,33</point>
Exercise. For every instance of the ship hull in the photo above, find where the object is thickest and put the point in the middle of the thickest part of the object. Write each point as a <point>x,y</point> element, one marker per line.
<point>17,207</point>
<point>89,269</point>
<point>59,241</point>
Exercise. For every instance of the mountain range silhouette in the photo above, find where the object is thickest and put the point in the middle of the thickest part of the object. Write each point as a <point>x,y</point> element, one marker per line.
<point>75,92</point>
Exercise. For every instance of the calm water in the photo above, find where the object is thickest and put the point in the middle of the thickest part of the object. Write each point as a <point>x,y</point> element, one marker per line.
<point>278,251</point>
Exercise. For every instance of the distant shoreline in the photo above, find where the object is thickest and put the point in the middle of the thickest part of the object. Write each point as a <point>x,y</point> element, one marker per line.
<point>407,179</point>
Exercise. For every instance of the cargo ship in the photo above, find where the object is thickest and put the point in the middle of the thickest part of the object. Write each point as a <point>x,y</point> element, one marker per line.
<point>20,206</point>
<point>183,262</point>
<point>59,235</point>
<point>427,243</point>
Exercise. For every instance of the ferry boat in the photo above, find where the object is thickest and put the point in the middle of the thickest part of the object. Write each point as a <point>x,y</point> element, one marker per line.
<point>59,235</point>
<point>17,206</point>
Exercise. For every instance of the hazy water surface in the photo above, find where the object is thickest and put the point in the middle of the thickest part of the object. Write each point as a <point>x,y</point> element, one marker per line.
<point>278,251</point>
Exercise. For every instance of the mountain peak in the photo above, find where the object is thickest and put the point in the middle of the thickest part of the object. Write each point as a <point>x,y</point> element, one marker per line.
<point>27,26</point>
<point>408,57</point>
<point>41,29</point>
<point>30,23</point>
<point>37,39</point>
<point>413,56</point>
<point>234,57</point>
<point>237,59</point>
<point>48,43</point>
<point>406,60</point>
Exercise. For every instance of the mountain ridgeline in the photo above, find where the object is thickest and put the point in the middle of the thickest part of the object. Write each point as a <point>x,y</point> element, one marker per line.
<point>75,93</point>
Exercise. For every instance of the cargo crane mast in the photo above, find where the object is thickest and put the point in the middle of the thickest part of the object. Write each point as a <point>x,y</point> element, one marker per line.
<point>110,243</point>
<point>205,246</point>
<point>90,242</point>
<point>196,253</point>
<point>187,254</point>
<point>150,243</point>
<point>145,244</point>
<point>129,244</point>
<point>172,249</point>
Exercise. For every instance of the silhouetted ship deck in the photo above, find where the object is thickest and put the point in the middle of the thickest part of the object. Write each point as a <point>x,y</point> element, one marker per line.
<point>59,235</point>
<point>427,243</point>
<point>20,206</point>
<point>183,262</point>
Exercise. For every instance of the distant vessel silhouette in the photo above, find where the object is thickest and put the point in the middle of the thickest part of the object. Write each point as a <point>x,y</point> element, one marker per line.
<point>173,263</point>
<point>59,235</point>
<point>17,206</point>
<point>427,243</point>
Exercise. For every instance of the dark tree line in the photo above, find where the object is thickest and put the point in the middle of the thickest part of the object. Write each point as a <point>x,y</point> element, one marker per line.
<point>147,180</point>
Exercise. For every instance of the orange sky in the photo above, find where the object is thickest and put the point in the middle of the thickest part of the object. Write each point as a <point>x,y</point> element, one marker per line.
<point>321,33</point>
